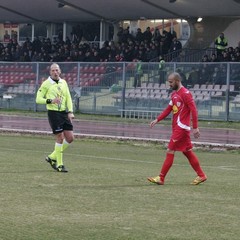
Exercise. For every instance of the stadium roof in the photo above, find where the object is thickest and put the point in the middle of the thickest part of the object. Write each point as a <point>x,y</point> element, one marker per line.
<point>26,11</point>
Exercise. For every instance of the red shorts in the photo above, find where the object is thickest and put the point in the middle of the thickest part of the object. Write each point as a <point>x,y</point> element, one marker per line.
<point>180,140</point>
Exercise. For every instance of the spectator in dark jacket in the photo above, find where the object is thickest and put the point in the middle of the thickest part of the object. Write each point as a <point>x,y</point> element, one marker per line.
<point>175,48</point>
<point>139,36</point>
<point>147,35</point>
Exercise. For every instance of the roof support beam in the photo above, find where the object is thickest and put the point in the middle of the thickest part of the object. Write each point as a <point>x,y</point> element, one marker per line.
<point>20,14</point>
<point>163,9</point>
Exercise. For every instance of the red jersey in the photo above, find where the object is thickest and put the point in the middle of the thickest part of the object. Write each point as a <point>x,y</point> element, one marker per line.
<point>183,108</point>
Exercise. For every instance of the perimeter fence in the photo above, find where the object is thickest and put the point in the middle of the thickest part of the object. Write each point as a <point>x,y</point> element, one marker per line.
<point>130,90</point>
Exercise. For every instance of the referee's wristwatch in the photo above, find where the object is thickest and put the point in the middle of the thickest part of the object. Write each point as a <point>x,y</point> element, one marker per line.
<point>49,101</point>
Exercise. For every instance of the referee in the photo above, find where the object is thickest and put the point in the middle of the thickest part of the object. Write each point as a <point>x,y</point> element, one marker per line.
<point>54,92</point>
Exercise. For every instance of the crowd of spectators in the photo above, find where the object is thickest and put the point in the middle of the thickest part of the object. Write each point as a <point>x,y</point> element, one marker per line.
<point>149,45</point>
<point>216,72</point>
<point>230,54</point>
<point>210,74</point>
<point>144,46</point>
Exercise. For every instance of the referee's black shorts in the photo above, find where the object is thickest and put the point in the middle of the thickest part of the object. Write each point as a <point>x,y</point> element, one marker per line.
<point>59,121</point>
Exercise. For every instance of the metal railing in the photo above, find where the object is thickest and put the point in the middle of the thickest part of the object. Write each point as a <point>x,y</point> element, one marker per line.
<point>120,89</point>
<point>187,55</point>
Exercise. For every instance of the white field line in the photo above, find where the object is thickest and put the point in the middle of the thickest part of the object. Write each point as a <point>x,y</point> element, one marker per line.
<point>232,168</point>
<point>229,168</point>
<point>77,135</point>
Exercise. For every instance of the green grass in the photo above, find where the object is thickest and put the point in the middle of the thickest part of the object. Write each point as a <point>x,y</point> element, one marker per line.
<point>105,195</point>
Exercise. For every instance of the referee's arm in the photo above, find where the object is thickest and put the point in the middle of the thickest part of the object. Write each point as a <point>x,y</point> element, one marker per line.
<point>69,100</point>
<point>41,95</point>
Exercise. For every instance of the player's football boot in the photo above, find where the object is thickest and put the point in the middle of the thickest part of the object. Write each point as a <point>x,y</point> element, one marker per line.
<point>62,169</point>
<point>52,162</point>
<point>199,180</point>
<point>156,180</point>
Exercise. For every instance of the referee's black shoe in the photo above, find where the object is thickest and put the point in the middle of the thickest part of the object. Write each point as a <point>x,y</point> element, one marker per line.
<point>52,162</point>
<point>62,169</point>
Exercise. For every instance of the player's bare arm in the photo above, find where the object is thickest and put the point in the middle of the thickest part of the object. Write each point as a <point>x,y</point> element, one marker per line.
<point>152,124</point>
<point>196,133</point>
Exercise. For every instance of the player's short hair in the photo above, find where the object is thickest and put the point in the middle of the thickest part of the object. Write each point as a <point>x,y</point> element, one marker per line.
<point>176,76</point>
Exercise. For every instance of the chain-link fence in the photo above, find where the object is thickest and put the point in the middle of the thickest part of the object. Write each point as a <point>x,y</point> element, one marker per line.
<point>131,90</point>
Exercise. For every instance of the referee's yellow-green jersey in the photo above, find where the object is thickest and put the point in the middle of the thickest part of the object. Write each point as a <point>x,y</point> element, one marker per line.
<point>51,90</point>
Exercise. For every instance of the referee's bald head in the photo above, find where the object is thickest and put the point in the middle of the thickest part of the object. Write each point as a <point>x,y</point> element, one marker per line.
<point>55,71</point>
<point>54,65</point>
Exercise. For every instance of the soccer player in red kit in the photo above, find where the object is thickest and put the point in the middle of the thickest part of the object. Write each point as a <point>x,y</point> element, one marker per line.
<point>184,111</point>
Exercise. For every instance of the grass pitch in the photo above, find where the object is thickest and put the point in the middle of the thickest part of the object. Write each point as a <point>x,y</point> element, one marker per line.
<point>106,195</point>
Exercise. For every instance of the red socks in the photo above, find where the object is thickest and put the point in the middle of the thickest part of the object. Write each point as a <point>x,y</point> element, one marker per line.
<point>193,160</point>
<point>166,165</point>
